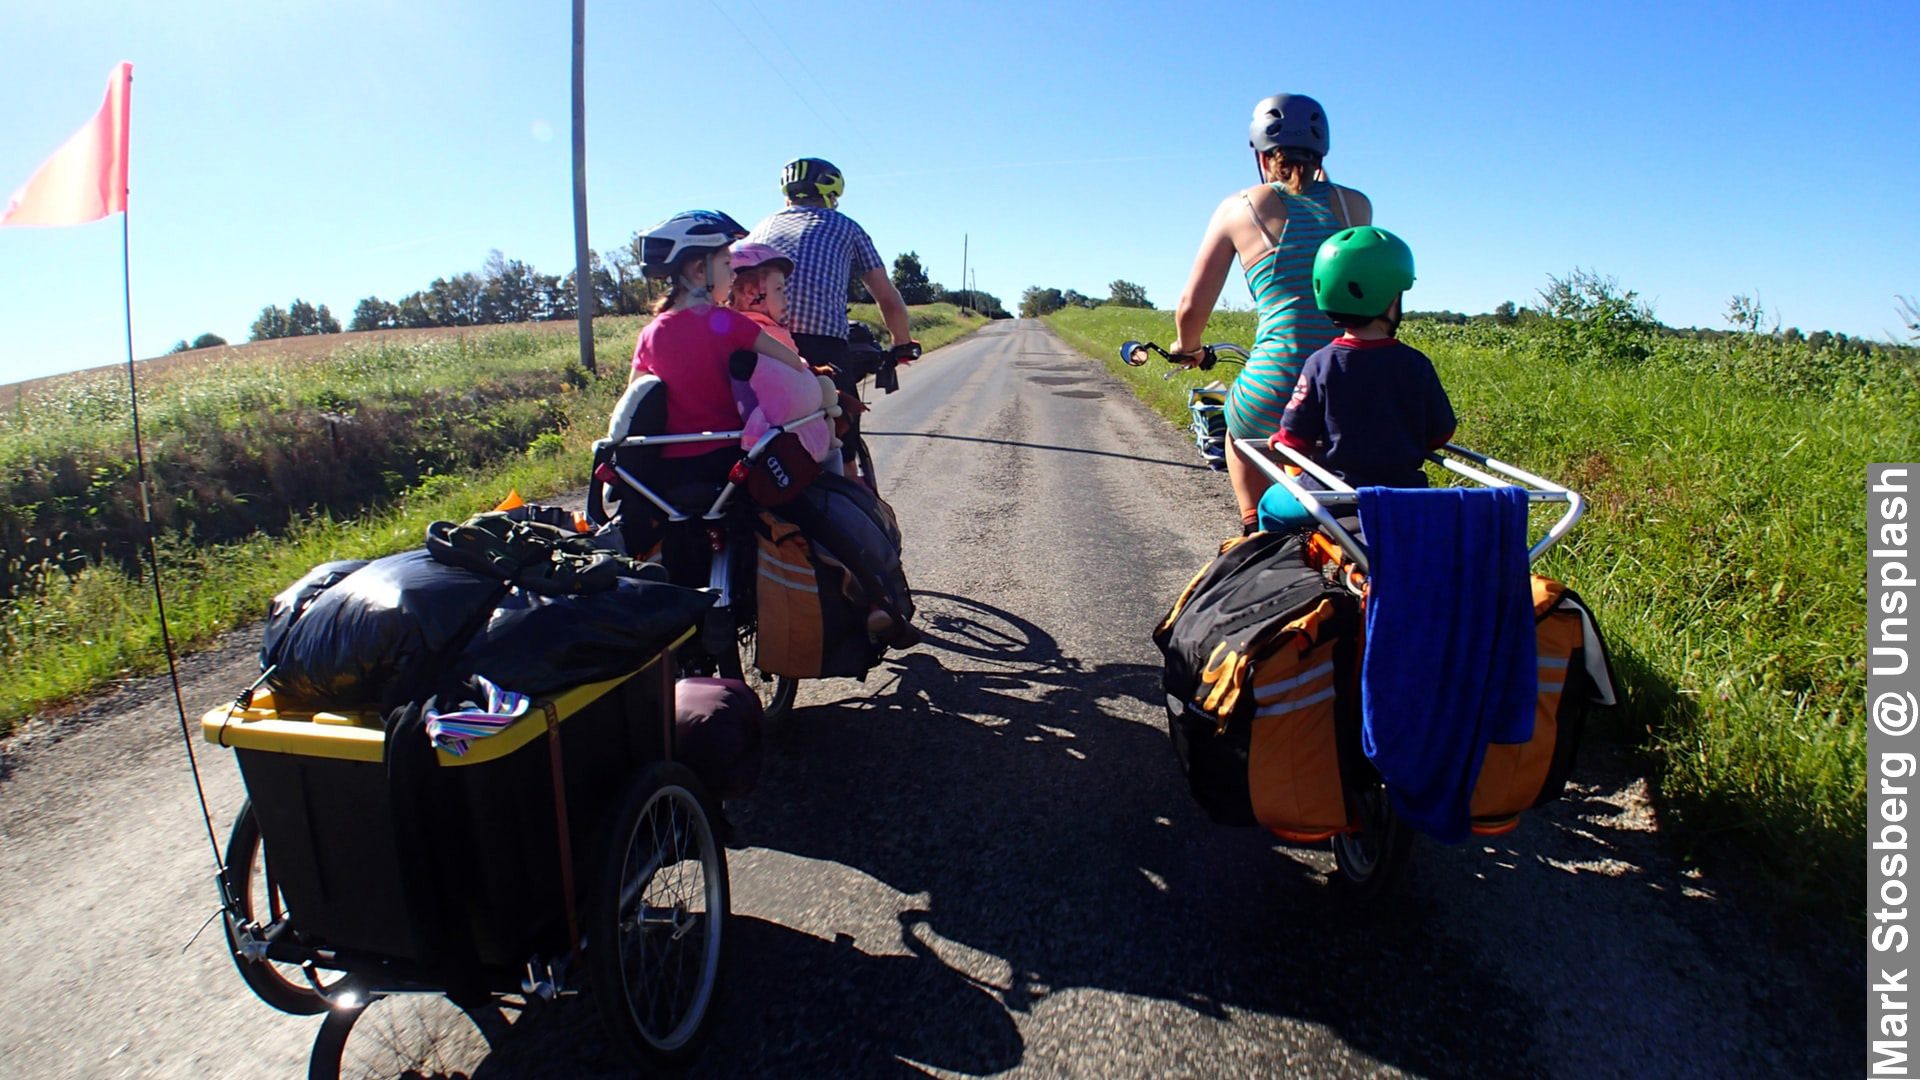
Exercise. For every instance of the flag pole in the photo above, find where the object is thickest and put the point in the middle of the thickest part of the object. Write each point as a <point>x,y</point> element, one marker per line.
<point>146,516</point>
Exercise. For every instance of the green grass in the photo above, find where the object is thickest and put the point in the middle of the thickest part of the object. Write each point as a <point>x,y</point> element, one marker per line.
<point>1724,556</point>
<point>71,630</point>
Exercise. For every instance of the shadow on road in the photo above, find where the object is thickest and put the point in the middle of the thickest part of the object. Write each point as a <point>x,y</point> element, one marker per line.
<point>1056,846</point>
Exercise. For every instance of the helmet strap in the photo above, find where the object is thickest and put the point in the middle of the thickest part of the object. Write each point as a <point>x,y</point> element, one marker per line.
<point>703,292</point>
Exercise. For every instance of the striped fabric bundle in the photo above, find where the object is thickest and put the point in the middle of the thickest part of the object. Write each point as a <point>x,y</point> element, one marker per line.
<point>453,731</point>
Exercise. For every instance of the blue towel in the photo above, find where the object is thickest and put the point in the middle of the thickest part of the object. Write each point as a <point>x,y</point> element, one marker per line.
<point>1450,662</point>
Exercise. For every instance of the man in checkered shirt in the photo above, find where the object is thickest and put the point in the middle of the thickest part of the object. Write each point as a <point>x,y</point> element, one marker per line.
<point>827,248</point>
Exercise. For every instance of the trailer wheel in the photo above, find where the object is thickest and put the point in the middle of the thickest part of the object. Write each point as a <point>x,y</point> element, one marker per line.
<point>657,920</point>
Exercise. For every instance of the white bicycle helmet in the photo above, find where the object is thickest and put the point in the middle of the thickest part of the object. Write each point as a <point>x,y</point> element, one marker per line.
<point>664,245</point>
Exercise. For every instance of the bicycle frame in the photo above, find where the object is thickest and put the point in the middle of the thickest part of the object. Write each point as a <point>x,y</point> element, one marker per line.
<point>719,507</point>
<point>720,570</point>
<point>1476,467</point>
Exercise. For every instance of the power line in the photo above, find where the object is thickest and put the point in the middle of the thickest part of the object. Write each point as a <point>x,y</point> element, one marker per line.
<point>765,59</point>
<point>808,72</point>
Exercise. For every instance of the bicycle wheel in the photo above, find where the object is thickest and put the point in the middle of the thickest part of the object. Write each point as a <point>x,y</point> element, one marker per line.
<point>776,692</point>
<point>415,1036</point>
<point>1370,861</point>
<point>283,986</point>
<point>657,919</point>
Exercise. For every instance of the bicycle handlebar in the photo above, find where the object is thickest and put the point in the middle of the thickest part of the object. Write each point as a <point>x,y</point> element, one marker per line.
<point>1134,354</point>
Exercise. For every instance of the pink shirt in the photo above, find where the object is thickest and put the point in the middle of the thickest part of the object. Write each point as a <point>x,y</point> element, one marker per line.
<point>688,350</point>
<point>774,330</point>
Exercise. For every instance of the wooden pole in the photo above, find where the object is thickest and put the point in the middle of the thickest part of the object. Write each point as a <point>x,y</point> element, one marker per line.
<point>582,270</point>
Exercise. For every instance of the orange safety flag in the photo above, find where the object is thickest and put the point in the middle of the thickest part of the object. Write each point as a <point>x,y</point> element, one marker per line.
<point>86,179</point>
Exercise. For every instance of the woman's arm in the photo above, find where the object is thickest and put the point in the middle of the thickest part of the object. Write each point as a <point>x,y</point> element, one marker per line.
<point>768,345</point>
<point>1209,273</point>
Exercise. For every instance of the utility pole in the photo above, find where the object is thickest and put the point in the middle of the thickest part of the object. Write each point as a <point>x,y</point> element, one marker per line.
<point>582,274</point>
<point>963,270</point>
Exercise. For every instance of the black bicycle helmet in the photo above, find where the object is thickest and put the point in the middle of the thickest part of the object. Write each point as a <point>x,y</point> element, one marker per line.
<point>664,245</point>
<point>812,177</point>
<point>1289,121</point>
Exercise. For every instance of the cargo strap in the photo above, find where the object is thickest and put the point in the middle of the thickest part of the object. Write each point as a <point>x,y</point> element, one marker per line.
<point>560,824</point>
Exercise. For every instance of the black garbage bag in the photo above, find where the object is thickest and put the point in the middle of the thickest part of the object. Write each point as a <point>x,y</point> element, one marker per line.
<point>293,601</point>
<point>381,635</point>
<point>535,644</point>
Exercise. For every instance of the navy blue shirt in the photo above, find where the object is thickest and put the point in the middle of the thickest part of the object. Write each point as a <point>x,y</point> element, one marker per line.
<point>1370,411</point>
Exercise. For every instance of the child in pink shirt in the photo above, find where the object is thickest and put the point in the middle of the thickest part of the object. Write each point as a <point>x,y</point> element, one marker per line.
<point>690,338</point>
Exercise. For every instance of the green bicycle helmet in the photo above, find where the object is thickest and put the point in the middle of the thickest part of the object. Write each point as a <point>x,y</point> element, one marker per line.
<point>1359,271</point>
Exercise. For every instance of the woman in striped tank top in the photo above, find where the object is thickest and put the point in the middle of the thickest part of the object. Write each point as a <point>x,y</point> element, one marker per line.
<point>1274,228</point>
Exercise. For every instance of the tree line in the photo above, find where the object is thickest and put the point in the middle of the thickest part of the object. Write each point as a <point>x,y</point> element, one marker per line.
<point>910,278</point>
<point>1587,297</point>
<point>1038,301</point>
<point>507,290</point>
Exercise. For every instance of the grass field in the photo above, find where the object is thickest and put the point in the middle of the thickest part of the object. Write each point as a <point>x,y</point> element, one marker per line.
<point>1724,556</point>
<point>74,623</point>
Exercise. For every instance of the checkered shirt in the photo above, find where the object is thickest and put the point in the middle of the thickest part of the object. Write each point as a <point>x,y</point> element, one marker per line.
<point>827,248</point>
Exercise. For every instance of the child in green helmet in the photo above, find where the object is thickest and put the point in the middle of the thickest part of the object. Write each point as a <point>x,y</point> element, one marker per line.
<point>1367,407</point>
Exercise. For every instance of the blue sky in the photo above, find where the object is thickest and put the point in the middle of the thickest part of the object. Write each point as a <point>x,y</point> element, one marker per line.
<point>334,150</point>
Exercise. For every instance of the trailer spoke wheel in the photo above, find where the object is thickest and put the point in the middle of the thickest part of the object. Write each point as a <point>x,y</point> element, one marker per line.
<point>659,916</point>
<point>411,1036</point>
<point>284,986</point>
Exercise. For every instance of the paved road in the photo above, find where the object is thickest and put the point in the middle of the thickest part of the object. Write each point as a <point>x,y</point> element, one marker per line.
<point>982,860</point>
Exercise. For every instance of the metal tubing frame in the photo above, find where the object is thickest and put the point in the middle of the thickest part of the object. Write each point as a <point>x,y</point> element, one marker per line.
<point>719,507</point>
<point>1339,493</point>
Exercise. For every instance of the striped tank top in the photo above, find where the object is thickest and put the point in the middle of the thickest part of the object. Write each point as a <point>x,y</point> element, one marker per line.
<point>1291,325</point>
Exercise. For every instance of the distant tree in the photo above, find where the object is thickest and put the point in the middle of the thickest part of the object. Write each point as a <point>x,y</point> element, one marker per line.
<point>179,347</point>
<point>606,291</point>
<point>634,292</point>
<point>1074,298</point>
<point>272,323</point>
<point>1819,339</point>
<point>911,279</point>
<point>455,301</point>
<point>984,303</point>
<point>414,311</point>
<point>208,340</point>
<point>511,293</point>
<point>1506,314</point>
<point>374,313</point>
<point>556,297</point>
<point>1127,294</point>
<point>857,291</point>
<point>1037,301</point>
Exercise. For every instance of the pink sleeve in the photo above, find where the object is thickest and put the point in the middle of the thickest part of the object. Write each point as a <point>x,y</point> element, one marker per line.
<point>736,330</point>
